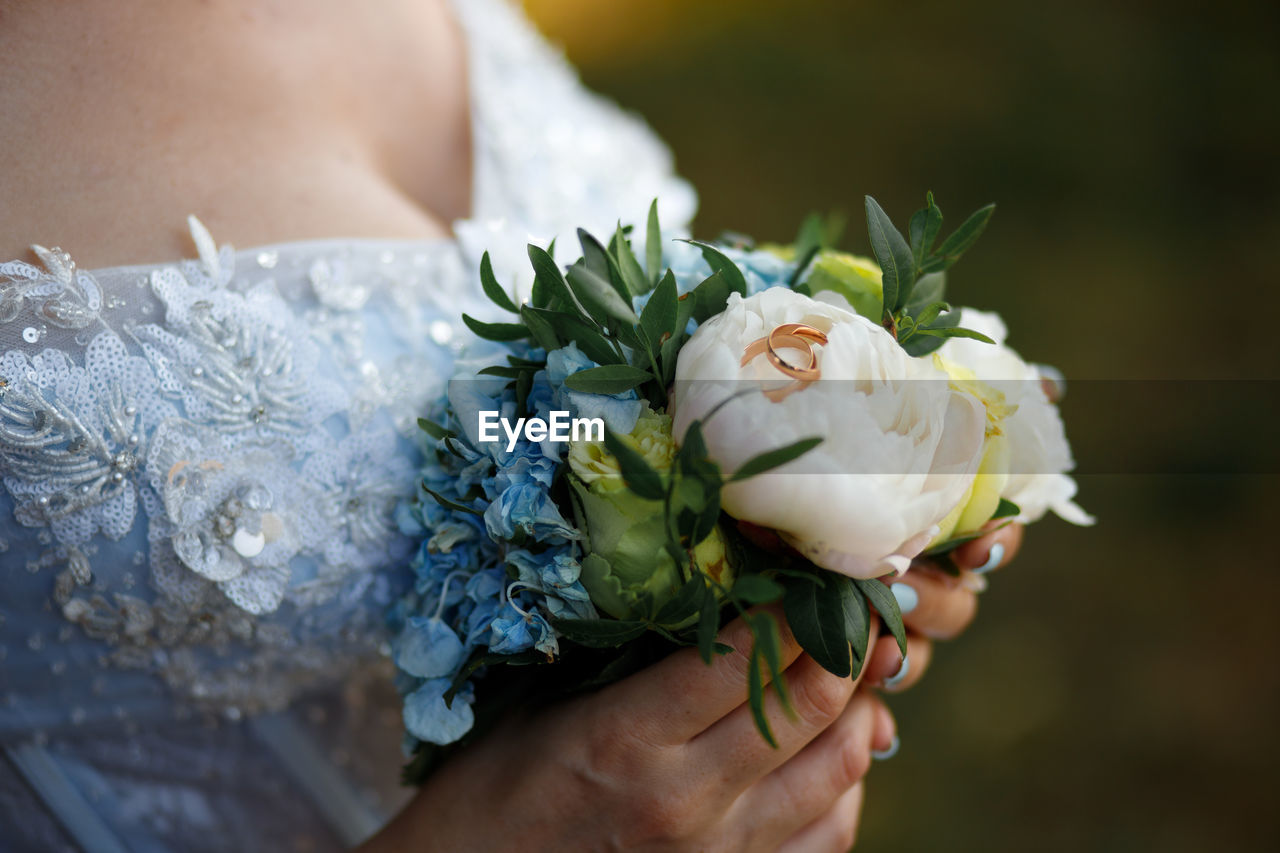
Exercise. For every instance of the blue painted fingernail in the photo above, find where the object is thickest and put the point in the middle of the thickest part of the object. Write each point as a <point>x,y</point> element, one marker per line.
<point>896,679</point>
<point>993,559</point>
<point>907,597</point>
<point>886,754</point>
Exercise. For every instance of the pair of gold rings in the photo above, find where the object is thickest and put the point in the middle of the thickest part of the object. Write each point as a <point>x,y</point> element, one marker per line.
<point>790,336</point>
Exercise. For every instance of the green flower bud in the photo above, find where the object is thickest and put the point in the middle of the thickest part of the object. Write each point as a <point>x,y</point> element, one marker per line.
<point>856,279</point>
<point>627,570</point>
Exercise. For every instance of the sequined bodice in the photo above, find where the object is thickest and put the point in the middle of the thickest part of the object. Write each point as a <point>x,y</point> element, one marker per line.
<point>201,461</point>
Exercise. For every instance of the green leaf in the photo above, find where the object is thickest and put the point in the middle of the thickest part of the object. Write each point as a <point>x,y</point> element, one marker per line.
<point>683,604</point>
<point>894,256</point>
<point>720,262</point>
<point>708,624</point>
<point>599,633</point>
<point>934,222</point>
<point>960,240</point>
<point>694,449</point>
<point>857,619</point>
<point>918,345</point>
<point>936,332</point>
<point>755,698</point>
<point>690,493</point>
<point>924,230</point>
<point>705,522</point>
<point>596,258</point>
<point>879,597</point>
<point>805,258</point>
<point>435,430</point>
<point>709,297</point>
<point>505,371</point>
<point>547,272</point>
<point>1006,509</point>
<point>542,331</point>
<point>653,244</point>
<point>929,289</point>
<point>599,296</point>
<point>817,621</point>
<point>492,289</point>
<point>569,327</point>
<point>659,315</point>
<point>774,458</point>
<point>445,502</point>
<point>669,350</point>
<point>757,589</point>
<point>608,379</point>
<point>495,331</point>
<point>768,642</point>
<point>632,275</point>
<point>639,477</point>
<point>930,313</point>
<point>524,385</point>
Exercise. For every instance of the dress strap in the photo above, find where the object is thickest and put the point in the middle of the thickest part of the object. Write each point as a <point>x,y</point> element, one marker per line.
<point>63,799</point>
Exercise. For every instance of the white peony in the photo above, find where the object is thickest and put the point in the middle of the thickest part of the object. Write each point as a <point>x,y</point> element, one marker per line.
<point>900,450</point>
<point>1039,453</point>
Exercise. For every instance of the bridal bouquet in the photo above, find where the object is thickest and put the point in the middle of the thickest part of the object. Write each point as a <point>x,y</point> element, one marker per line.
<point>654,445</point>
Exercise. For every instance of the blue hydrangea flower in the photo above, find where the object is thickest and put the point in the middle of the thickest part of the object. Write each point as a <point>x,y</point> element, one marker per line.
<point>528,508</point>
<point>428,648</point>
<point>517,631</point>
<point>555,571</point>
<point>619,411</point>
<point>428,718</point>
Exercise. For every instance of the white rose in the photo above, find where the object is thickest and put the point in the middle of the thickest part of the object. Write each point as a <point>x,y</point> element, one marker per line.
<point>900,446</point>
<point>1039,453</point>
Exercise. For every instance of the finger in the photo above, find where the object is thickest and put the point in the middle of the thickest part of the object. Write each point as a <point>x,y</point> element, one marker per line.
<point>886,728</point>
<point>834,832</point>
<point>680,697</point>
<point>934,604</point>
<point>887,669</point>
<point>734,746</point>
<point>991,551</point>
<point>811,783</point>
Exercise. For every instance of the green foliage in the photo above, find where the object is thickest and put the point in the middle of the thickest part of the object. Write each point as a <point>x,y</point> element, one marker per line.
<point>492,289</point>
<point>912,273</point>
<point>608,379</point>
<point>774,458</point>
<point>816,617</point>
<point>721,263</point>
<point>878,596</point>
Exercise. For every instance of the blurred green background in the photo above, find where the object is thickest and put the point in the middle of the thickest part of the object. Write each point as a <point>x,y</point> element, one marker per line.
<point>1119,690</point>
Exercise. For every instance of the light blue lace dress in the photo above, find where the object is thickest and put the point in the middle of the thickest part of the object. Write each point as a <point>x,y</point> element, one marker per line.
<point>200,465</point>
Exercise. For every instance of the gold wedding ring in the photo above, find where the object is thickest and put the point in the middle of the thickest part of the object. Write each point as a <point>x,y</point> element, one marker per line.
<point>794,336</point>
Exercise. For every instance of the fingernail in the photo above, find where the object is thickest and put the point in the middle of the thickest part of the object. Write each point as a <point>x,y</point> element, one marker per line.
<point>993,559</point>
<point>907,597</point>
<point>886,754</point>
<point>896,679</point>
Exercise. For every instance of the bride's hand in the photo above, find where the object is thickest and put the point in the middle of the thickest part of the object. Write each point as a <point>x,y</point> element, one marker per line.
<point>667,759</point>
<point>938,606</point>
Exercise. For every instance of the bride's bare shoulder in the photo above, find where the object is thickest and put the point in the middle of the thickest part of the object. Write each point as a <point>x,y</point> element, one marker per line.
<point>119,119</point>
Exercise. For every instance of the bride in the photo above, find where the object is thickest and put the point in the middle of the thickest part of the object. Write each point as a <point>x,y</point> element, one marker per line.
<point>201,458</point>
